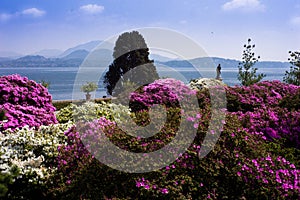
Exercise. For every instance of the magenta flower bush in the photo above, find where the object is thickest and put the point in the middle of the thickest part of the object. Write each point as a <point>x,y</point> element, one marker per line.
<point>74,155</point>
<point>25,102</point>
<point>229,170</point>
<point>273,123</point>
<point>255,157</point>
<point>275,172</point>
<point>260,95</point>
<point>167,92</point>
<point>263,110</point>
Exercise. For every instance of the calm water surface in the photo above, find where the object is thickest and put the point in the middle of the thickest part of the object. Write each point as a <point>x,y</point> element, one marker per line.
<point>62,79</point>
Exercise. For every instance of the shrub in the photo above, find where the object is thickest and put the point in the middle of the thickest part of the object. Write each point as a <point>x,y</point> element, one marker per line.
<point>7,179</point>
<point>256,156</point>
<point>259,107</point>
<point>272,124</point>
<point>25,103</point>
<point>259,95</point>
<point>34,154</point>
<point>291,101</point>
<point>166,92</point>
<point>221,174</point>
<point>83,175</point>
<point>89,111</point>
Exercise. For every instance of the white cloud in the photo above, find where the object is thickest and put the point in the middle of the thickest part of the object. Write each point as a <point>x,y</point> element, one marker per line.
<point>295,21</point>
<point>92,8</point>
<point>34,12</point>
<point>244,5</point>
<point>5,17</point>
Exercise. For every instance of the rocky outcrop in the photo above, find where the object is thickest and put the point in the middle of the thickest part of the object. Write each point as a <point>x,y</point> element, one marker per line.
<point>202,83</point>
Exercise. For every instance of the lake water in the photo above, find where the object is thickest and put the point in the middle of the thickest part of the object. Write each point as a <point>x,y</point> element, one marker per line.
<point>62,79</point>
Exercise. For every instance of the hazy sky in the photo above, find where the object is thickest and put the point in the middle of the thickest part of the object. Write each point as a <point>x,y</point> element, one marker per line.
<point>221,27</point>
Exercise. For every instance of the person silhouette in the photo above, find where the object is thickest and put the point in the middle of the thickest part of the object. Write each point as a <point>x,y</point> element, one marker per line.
<point>219,72</point>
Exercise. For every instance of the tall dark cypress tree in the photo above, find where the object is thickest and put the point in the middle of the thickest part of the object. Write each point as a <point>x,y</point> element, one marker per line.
<point>130,52</point>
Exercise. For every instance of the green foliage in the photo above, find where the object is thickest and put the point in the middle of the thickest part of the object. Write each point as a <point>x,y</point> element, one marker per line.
<point>293,76</point>
<point>98,181</point>
<point>247,73</point>
<point>64,103</point>
<point>7,179</point>
<point>291,101</point>
<point>130,52</point>
<point>61,104</point>
<point>89,111</point>
<point>89,87</point>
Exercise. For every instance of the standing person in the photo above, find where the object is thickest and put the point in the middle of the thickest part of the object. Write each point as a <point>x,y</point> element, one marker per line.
<point>219,72</point>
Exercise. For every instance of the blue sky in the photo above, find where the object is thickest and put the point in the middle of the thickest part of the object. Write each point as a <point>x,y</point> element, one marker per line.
<point>221,27</point>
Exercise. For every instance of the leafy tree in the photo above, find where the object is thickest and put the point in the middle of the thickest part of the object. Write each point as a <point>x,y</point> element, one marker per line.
<point>293,76</point>
<point>247,73</point>
<point>130,52</point>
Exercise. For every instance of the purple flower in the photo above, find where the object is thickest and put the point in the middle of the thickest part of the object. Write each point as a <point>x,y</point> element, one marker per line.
<point>21,107</point>
<point>164,191</point>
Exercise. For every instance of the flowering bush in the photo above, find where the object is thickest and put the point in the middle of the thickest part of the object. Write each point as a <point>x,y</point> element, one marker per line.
<point>273,123</point>
<point>80,170</point>
<point>89,111</point>
<point>256,156</point>
<point>260,108</point>
<point>219,174</point>
<point>6,179</point>
<point>25,103</point>
<point>163,91</point>
<point>259,95</point>
<point>230,164</point>
<point>277,173</point>
<point>34,153</point>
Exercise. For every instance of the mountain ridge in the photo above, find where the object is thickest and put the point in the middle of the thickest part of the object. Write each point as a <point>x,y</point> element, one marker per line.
<point>75,59</point>
<point>74,56</point>
<point>89,46</point>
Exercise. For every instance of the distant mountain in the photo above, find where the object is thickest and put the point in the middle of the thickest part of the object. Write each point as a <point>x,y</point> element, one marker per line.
<point>86,46</point>
<point>10,54</point>
<point>27,61</point>
<point>36,58</point>
<point>41,61</point>
<point>208,63</point>
<point>49,53</point>
<point>78,55</point>
<point>74,57</point>
<point>159,58</point>
<point>104,57</point>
